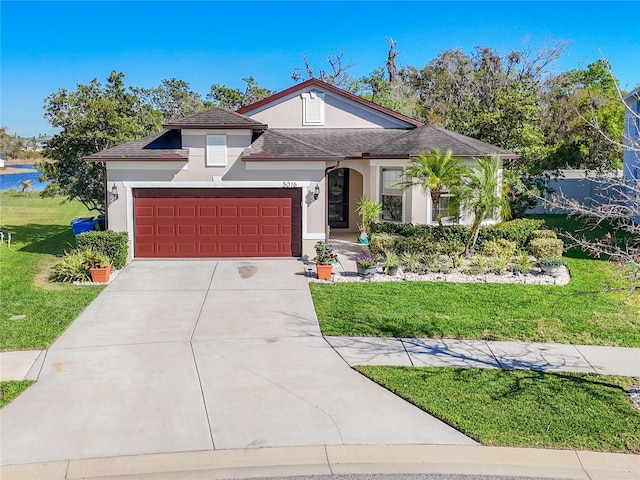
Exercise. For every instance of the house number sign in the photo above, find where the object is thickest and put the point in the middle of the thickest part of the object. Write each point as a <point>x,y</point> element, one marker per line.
<point>286,184</point>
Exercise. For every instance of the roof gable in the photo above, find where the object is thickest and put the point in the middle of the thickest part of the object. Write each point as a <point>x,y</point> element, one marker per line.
<point>343,95</point>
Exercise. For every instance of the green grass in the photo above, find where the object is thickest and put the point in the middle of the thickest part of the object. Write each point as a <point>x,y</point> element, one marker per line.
<point>523,408</point>
<point>40,230</point>
<point>577,313</point>
<point>11,389</point>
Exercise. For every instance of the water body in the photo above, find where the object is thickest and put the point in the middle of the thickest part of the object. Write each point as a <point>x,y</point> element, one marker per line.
<point>10,181</point>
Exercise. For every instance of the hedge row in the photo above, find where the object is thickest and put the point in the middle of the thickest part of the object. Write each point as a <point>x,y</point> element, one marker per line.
<point>112,244</point>
<point>518,231</point>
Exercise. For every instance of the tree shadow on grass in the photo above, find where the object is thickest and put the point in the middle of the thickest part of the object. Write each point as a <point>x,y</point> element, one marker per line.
<point>36,238</point>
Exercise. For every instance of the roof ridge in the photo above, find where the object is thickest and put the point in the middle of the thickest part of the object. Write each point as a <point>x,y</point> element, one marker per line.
<point>202,113</point>
<point>409,131</point>
<point>456,136</point>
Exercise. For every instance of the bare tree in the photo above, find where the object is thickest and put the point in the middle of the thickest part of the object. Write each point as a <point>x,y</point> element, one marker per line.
<point>616,209</point>
<point>337,75</point>
<point>391,60</point>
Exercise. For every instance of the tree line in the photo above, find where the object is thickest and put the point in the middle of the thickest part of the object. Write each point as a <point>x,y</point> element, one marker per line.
<point>514,101</point>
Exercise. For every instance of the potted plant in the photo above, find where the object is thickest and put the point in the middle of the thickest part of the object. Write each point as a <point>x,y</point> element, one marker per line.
<point>391,262</point>
<point>98,266</point>
<point>324,263</point>
<point>552,266</point>
<point>366,265</point>
<point>369,212</point>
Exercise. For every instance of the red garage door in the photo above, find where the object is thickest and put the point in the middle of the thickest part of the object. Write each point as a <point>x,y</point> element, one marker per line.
<point>205,222</point>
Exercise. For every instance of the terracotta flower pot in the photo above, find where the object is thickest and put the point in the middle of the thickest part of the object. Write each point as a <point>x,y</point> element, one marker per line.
<point>100,274</point>
<point>324,271</point>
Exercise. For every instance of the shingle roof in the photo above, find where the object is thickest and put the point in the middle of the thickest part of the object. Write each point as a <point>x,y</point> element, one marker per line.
<point>342,141</point>
<point>431,136</point>
<point>376,142</point>
<point>278,143</point>
<point>162,145</point>
<point>215,118</point>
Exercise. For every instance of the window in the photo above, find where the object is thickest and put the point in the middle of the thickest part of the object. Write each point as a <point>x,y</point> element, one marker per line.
<point>313,108</point>
<point>391,194</point>
<point>216,150</point>
<point>444,208</point>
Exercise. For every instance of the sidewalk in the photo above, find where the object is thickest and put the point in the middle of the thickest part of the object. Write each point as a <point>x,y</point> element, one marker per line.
<point>551,357</point>
<point>341,460</point>
<point>429,352</point>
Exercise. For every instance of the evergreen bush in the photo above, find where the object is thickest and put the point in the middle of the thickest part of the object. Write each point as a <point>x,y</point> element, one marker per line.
<point>114,245</point>
<point>546,247</point>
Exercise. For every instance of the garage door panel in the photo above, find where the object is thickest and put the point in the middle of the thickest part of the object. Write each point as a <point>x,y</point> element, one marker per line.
<point>229,230</point>
<point>253,229</point>
<point>165,211</point>
<point>207,230</point>
<point>249,211</point>
<point>217,222</point>
<point>271,211</point>
<point>227,211</point>
<point>270,229</point>
<point>187,211</point>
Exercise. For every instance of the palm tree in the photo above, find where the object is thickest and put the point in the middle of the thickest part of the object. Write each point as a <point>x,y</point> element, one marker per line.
<point>481,192</point>
<point>436,173</point>
<point>26,186</point>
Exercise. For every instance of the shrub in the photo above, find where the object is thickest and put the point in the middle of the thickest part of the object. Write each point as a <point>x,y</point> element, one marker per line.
<point>518,231</point>
<point>424,244</point>
<point>522,264</point>
<point>453,250</point>
<point>499,248</point>
<point>543,234</point>
<point>112,244</point>
<point>379,242</point>
<point>546,247</point>
<point>552,262</point>
<point>391,258</point>
<point>498,265</point>
<point>70,268</point>
<point>412,262</point>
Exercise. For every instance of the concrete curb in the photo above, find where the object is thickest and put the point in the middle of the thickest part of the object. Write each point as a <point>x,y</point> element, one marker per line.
<point>340,459</point>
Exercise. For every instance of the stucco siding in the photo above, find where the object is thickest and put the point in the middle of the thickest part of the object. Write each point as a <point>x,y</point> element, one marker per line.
<point>287,112</point>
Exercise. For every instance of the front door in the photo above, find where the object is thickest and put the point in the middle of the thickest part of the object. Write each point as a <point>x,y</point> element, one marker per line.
<point>339,198</point>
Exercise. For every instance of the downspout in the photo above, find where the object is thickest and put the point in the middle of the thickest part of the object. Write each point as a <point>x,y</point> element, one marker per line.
<point>103,167</point>
<point>327,171</point>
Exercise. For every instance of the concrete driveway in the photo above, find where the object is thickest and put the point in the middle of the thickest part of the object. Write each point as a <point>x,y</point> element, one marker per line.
<point>179,356</point>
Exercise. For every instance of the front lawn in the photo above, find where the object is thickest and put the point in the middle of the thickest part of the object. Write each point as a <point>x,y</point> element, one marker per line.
<point>523,408</point>
<point>35,311</point>
<point>483,311</point>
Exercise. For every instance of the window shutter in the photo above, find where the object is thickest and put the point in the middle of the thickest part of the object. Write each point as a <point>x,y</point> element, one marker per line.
<point>216,150</point>
<point>313,108</point>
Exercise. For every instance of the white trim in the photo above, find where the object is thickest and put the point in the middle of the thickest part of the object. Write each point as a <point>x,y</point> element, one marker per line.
<point>147,165</point>
<point>313,236</point>
<point>217,182</point>
<point>285,165</point>
<point>215,131</point>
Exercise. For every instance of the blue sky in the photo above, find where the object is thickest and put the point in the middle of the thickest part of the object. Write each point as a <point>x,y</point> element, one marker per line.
<point>48,45</point>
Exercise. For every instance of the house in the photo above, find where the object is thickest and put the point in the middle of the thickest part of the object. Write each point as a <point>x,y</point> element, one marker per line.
<point>268,179</point>
<point>631,158</point>
<point>41,143</point>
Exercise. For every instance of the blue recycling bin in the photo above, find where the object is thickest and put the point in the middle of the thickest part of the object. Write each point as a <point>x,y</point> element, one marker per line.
<point>79,225</point>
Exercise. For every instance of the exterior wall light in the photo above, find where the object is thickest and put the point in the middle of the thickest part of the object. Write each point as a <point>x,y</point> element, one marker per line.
<point>316,191</point>
<point>113,194</point>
